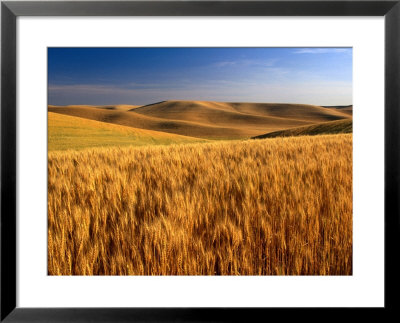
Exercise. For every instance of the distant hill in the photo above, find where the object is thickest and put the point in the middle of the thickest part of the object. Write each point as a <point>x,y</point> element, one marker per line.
<point>67,132</point>
<point>333,127</point>
<point>348,109</point>
<point>233,113</point>
<point>121,107</point>
<point>210,120</point>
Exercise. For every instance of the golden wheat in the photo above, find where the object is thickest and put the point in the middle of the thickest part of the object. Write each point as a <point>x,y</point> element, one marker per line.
<point>267,207</point>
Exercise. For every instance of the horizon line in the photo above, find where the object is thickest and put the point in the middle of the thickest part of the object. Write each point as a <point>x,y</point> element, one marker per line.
<point>179,100</point>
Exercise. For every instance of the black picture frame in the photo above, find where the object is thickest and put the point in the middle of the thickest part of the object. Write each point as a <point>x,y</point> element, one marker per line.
<point>10,10</point>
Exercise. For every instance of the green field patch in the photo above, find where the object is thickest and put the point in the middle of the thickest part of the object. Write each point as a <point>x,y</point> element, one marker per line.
<point>67,132</point>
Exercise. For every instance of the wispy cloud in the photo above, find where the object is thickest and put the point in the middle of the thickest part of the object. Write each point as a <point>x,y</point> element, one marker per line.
<point>84,88</point>
<point>326,50</point>
<point>277,71</point>
<point>310,91</point>
<point>247,63</point>
<point>225,63</point>
<point>108,88</point>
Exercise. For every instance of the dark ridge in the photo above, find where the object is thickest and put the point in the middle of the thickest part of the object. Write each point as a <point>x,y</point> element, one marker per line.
<point>147,105</point>
<point>326,128</point>
<point>337,106</point>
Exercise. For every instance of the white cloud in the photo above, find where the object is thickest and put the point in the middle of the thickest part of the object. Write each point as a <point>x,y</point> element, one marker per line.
<point>225,63</point>
<point>83,88</point>
<point>247,62</point>
<point>326,50</point>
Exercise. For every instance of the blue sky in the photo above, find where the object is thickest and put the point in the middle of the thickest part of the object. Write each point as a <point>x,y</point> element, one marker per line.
<point>105,76</point>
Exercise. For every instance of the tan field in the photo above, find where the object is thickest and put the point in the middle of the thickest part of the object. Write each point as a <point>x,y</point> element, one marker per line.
<point>209,120</point>
<point>279,206</point>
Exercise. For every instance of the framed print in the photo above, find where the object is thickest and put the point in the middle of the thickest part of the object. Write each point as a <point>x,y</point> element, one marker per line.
<point>175,160</point>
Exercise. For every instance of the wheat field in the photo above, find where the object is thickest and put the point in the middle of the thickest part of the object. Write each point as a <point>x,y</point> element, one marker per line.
<point>279,206</point>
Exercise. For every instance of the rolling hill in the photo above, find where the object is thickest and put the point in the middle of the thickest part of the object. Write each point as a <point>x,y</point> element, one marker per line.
<point>347,109</point>
<point>67,132</point>
<point>333,127</point>
<point>233,113</point>
<point>210,120</point>
<point>139,121</point>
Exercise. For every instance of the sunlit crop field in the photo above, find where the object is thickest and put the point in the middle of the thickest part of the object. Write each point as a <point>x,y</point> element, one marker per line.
<point>279,206</point>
